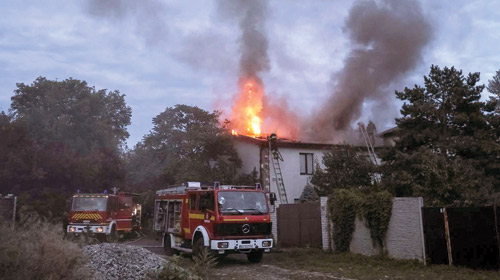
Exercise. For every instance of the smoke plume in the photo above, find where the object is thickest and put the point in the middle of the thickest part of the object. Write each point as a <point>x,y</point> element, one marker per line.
<point>253,41</point>
<point>148,16</point>
<point>251,105</point>
<point>387,39</point>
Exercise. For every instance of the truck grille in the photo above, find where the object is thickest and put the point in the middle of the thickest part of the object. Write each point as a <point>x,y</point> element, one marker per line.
<point>237,229</point>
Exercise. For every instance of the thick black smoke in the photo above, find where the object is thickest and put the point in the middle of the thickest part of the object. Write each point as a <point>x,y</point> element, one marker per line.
<point>148,15</point>
<point>387,39</point>
<point>253,41</point>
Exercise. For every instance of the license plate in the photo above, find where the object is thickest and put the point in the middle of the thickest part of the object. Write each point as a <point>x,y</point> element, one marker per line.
<point>246,246</point>
<point>86,221</point>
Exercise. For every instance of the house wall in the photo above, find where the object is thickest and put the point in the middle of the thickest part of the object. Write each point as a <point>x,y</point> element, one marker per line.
<point>250,156</point>
<point>390,141</point>
<point>404,238</point>
<point>290,167</point>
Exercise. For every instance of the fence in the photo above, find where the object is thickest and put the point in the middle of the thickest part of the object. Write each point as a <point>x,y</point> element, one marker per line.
<point>8,207</point>
<point>404,238</point>
<point>462,236</point>
<point>299,225</point>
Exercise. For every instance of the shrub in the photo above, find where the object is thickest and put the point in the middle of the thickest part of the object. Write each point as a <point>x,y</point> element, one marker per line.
<point>372,205</point>
<point>172,271</point>
<point>203,263</point>
<point>342,205</point>
<point>35,249</point>
<point>377,210</point>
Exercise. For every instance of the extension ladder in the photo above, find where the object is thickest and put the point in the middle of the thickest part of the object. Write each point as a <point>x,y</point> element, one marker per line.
<point>276,157</point>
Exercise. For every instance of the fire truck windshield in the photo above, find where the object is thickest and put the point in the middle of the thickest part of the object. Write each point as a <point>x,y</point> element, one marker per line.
<point>89,203</point>
<point>239,203</point>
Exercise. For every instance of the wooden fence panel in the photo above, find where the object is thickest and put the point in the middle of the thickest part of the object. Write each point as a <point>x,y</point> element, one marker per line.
<point>299,225</point>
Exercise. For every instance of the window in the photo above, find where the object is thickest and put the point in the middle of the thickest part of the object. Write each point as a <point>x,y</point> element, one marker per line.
<point>192,202</point>
<point>125,203</point>
<point>306,164</point>
<point>207,201</point>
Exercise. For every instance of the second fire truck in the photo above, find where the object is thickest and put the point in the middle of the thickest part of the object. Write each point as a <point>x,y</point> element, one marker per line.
<point>103,215</point>
<point>223,219</point>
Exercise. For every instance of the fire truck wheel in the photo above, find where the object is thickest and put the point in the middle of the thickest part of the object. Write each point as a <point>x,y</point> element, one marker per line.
<point>255,256</point>
<point>199,247</point>
<point>112,235</point>
<point>167,246</point>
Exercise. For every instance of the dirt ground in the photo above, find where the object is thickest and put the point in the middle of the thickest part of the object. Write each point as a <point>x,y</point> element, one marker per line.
<point>236,266</point>
<point>302,263</point>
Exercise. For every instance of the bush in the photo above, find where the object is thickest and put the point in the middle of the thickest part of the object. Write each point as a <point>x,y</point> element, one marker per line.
<point>35,249</point>
<point>372,205</point>
<point>172,271</point>
<point>342,205</point>
<point>309,194</point>
<point>377,211</point>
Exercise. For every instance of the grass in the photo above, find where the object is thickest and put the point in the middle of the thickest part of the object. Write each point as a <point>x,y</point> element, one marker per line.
<point>35,249</point>
<point>346,265</point>
<point>364,267</point>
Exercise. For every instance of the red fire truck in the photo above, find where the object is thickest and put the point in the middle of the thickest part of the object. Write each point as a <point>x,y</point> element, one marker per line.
<point>104,215</point>
<point>224,219</point>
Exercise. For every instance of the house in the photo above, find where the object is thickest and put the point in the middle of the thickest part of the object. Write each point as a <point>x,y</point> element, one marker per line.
<point>389,136</point>
<point>299,161</point>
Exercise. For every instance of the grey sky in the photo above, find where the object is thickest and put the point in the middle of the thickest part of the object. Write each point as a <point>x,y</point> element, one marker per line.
<point>163,53</point>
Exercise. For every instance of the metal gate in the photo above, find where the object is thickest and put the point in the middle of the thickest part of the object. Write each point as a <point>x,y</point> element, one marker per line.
<point>299,225</point>
<point>473,236</point>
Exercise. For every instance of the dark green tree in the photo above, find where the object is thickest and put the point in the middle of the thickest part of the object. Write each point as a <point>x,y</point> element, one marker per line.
<point>186,144</point>
<point>445,150</point>
<point>60,137</point>
<point>494,85</point>
<point>71,112</point>
<point>345,167</point>
<point>308,194</point>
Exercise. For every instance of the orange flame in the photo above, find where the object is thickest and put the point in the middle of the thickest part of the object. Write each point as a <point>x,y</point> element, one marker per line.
<point>247,110</point>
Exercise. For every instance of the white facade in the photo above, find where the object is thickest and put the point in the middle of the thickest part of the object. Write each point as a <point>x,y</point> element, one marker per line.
<point>294,180</point>
<point>254,153</point>
<point>250,156</point>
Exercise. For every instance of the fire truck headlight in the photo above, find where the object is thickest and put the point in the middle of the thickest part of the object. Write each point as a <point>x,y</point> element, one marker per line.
<point>99,229</point>
<point>222,244</point>
<point>72,229</point>
<point>266,243</point>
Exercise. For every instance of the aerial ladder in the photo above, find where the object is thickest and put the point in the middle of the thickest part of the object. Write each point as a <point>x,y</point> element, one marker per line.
<point>370,145</point>
<point>276,158</point>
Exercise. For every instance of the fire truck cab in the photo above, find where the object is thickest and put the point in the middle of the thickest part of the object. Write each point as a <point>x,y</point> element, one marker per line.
<point>222,219</point>
<point>104,215</point>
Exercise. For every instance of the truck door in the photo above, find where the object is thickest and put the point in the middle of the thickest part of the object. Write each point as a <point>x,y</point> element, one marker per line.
<point>207,208</point>
<point>194,213</point>
<point>124,217</point>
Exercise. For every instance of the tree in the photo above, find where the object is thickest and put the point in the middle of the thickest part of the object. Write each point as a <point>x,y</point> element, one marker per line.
<point>494,85</point>
<point>445,150</point>
<point>187,144</point>
<point>345,167</point>
<point>60,137</point>
<point>308,194</point>
<point>72,113</point>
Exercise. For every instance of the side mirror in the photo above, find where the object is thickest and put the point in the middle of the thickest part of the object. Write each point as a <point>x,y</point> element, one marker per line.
<point>272,198</point>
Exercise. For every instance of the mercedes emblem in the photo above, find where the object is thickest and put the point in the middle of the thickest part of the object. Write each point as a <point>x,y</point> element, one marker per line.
<point>245,228</point>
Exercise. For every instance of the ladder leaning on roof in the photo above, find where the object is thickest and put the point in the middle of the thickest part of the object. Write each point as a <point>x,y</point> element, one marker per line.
<point>369,144</point>
<point>370,147</point>
<point>276,158</point>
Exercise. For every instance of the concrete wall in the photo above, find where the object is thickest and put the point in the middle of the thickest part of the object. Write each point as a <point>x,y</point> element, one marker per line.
<point>325,224</point>
<point>404,238</point>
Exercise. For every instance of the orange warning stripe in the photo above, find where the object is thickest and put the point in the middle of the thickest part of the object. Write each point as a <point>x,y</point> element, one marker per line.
<point>86,216</point>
